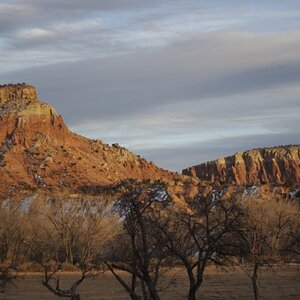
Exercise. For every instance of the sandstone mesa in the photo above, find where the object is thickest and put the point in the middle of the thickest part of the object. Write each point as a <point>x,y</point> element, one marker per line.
<point>275,165</point>
<point>37,150</point>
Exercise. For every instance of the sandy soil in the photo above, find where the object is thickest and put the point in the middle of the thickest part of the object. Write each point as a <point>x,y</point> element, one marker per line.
<point>281,283</point>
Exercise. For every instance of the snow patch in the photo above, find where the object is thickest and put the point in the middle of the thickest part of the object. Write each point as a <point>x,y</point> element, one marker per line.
<point>251,191</point>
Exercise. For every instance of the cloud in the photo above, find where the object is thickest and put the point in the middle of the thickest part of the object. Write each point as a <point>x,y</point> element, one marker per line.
<point>216,65</point>
<point>15,15</point>
<point>61,34</point>
<point>92,4</point>
<point>34,35</point>
<point>80,29</point>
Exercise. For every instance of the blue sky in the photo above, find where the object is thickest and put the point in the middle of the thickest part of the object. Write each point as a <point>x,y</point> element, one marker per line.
<point>179,82</point>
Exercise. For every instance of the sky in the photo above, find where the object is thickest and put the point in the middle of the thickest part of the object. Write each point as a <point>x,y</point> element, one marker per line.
<point>178,82</point>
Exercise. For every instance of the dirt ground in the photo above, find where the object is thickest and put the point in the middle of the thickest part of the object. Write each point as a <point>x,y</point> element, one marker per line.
<point>277,284</point>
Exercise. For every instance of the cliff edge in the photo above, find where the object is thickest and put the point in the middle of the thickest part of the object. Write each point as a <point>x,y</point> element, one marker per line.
<point>276,165</point>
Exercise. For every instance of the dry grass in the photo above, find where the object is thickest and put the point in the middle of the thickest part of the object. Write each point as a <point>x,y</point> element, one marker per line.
<point>282,283</point>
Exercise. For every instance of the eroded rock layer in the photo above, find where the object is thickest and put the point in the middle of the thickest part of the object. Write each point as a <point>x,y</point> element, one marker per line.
<point>278,165</point>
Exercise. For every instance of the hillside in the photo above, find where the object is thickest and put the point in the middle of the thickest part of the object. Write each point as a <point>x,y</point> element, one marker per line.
<point>38,151</point>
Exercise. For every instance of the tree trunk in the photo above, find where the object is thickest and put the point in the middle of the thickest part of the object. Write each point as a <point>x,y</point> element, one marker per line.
<point>152,291</point>
<point>135,297</point>
<point>254,281</point>
<point>143,287</point>
<point>153,294</point>
<point>194,287</point>
<point>192,294</point>
<point>151,287</point>
<point>76,297</point>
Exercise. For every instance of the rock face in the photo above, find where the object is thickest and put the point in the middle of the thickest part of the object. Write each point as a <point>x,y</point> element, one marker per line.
<point>37,150</point>
<point>277,165</point>
<point>17,95</point>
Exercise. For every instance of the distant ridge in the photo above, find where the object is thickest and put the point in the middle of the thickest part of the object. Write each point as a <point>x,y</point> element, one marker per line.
<point>278,165</point>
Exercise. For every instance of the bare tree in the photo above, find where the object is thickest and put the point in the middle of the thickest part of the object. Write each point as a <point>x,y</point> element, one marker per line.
<point>290,238</point>
<point>264,230</point>
<point>138,253</point>
<point>197,235</point>
<point>14,247</point>
<point>72,231</point>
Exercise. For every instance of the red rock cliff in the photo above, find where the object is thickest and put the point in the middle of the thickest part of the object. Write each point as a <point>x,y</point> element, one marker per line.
<point>257,166</point>
<point>37,150</point>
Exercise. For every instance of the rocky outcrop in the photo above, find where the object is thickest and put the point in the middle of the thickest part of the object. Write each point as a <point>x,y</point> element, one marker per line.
<point>278,165</point>
<point>37,150</point>
<point>17,94</point>
<point>23,117</point>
